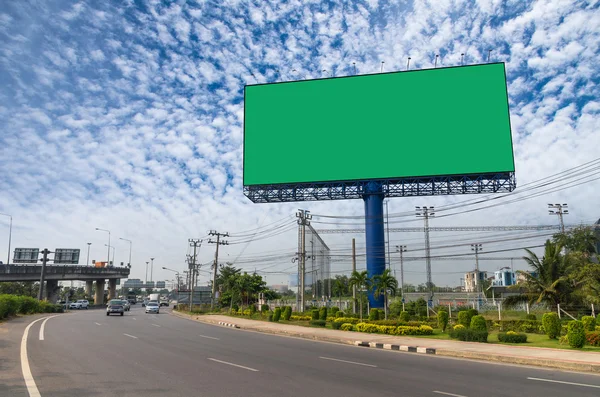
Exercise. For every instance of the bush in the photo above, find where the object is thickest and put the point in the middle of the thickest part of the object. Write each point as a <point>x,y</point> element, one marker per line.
<point>345,320</point>
<point>28,305</point>
<point>300,318</point>
<point>339,314</point>
<point>264,308</point>
<point>277,314</point>
<point>374,314</point>
<point>314,314</point>
<point>442,318</point>
<point>333,311</point>
<point>404,316</point>
<point>512,337</point>
<point>478,323</point>
<point>593,338</point>
<point>551,325</point>
<point>323,314</point>
<point>347,327</point>
<point>458,326</point>
<point>530,326</point>
<point>319,323</point>
<point>366,327</point>
<point>252,308</point>
<point>472,313</point>
<point>287,313</point>
<point>464,319</point>
<point>247,312</point>
<point>469,335</point>
<point>270,316</point>
<point>531,317</point>
<point>576,334</point>
<point>392,330</point>
<point>589,323</point>
<point>336,325</point>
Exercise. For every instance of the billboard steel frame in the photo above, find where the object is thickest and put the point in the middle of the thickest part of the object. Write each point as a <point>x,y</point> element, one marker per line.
<point>400,187</point>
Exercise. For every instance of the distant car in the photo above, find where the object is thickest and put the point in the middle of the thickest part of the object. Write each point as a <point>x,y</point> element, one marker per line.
<point>126,305</point>
<point>84,303</point>
<point>152,307</point>
<point>145,302</point>
<point>115,307</point>
<point>75,305</point>
<point>164,302</point>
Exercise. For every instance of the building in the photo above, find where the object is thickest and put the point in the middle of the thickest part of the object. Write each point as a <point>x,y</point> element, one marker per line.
<point>281,288</point>
<point>504,278</point>
<point>473,280</point>
<point>521,277</point>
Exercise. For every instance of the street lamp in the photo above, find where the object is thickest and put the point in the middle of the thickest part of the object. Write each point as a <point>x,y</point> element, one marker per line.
<point>151,268</point>
<point>87,263</point>
<point>9,236</point>
<point>146,279</point>
<point>108,250</point>
<point>114,250</point>
<point>130,244</point>
<point>176,274</point>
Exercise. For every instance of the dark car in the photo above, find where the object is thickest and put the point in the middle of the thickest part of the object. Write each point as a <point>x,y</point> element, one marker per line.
<point>115,307</point>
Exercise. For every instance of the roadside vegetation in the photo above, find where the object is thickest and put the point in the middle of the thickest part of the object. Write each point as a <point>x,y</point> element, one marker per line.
<point>12,305</point>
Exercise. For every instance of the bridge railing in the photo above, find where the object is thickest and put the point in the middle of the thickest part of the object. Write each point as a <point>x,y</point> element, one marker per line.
<point>59,269</point>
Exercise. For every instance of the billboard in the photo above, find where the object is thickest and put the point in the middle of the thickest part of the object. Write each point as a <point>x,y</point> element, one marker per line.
<point>26,255</point>
<point>68,256</point>
<point>432,122</point>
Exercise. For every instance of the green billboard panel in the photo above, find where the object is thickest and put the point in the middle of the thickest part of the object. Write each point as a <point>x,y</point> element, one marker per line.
<point>433,122</point>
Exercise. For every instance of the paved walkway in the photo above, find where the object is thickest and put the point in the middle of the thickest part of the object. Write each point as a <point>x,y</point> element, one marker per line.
<point>547,357</point>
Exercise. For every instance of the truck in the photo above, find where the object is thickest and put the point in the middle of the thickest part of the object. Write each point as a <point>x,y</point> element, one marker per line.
<point>154,297</point>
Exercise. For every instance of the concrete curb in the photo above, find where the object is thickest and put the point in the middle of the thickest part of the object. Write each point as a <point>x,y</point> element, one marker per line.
<point>402,348</point>
<point>228,324</point>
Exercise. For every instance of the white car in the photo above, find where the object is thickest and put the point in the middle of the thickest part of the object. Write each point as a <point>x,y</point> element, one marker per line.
<point>84,303</point>
<point>75,305</point>
<point>152,307</point>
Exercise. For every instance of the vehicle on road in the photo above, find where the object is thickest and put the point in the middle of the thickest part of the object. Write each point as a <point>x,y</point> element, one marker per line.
<point>126,305</point>
<point>145,302</point>
<point>75,305</point>
<point>164,302</point>
<point>152,307</point>
<point>115,306</point>
<point>154,297</point>
<point>84,303</point>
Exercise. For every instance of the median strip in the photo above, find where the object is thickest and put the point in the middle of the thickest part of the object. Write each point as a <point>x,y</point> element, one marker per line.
<point>228,324</point>
<point>403,348</point>
<point>233,365</point>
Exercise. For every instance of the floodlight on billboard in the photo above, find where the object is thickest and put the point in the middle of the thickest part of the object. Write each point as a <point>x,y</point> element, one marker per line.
<point>67,256</point>
<point>26,255</point>
<point>387,127</point>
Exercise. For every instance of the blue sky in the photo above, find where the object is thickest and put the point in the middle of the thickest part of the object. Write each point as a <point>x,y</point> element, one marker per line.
<point>127,115</point>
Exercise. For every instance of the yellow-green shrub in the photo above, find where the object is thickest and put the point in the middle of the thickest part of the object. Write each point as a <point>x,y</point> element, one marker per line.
<point>347,327</point>
<point>347,320</point>
<point>300,318</point>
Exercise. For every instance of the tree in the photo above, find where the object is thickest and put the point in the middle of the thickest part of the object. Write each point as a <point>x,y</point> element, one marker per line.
<point>362,282</point>
<point>581,239</point>
<point>339,289</point>
<point>27,288</point>
<point>385,283</point>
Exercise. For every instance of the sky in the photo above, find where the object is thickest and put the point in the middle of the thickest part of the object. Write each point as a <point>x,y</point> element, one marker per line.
<point>128,116</point>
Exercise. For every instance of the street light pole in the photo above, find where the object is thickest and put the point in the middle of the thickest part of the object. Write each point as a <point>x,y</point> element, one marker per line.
<point>176,275</point>
<point>146,279</point>
<point>108,250</point>
<point>9,236</point>
<point>151,268</point>
<point>477,248</point>
<point>130,244</point>
<point>401,249</point>
<point>87,263</point>
<point>114,250</point>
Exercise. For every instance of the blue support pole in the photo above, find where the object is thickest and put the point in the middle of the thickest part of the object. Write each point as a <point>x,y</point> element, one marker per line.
<point>374,231</point>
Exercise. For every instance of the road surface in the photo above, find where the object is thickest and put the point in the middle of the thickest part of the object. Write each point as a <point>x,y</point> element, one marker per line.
<point>88,353</point>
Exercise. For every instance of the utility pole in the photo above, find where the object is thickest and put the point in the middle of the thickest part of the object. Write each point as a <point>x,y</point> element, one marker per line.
<point>304,218</point>
<point>192,267</point>
<point>45,252</point>
<point>426,213</point>
<point>560,210</point>
<point>401,249</point>
<point>353,270</point>
<point>387,229</point>
<point>151,268</point>
<point>477,248</point>
<point>87,263</point>
<point>216,264</point>
<point>146,279</point>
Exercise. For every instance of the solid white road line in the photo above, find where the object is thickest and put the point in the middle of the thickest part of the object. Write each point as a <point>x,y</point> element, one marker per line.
<point>564,383</point>
<point>208,337</point>
<point>156,325</point>
<point>25,369</point>
<point>97,323</point>
<point>131,336</point>
<point>43,327</point>
<point>448,394</point>
<point>134,318</point>
<point>348,362</point>
<point>232,364</point>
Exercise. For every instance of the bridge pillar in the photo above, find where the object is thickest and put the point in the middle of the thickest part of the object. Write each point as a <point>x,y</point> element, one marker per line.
<point>51,290</point>
<point>88,288</point>
<point>112,288</point>
<point>99,297</point>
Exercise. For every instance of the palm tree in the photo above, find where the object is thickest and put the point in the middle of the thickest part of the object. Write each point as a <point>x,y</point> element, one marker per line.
<point>383,283</point>
<point>338,289</point>
<point>362,281</point>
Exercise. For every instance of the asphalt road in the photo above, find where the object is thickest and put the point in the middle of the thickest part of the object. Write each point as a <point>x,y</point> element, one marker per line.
<point>88,353</point>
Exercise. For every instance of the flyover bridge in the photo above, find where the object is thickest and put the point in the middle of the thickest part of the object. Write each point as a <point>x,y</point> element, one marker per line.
<point>56,273</point>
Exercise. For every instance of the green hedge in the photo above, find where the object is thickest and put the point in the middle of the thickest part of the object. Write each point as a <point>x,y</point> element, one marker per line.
<point>336,325</point>
<point>276,314</point>
<point>287,313</point>
<point>589,323</point>
<point>468,335</point>
<point>300,318</point>
<point>345,320</point>
<point>11,305</point>
<point>442,318</point>
<point>392,330</point>
<point>404,316</point>
<point>478,323</point>
<point>347,327</point>
<point>576,334</point>
<point>512,337</point>
<point>323,314</point>
<point>320,323</point>
<point>551,324</point>
<point>314,314</point>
